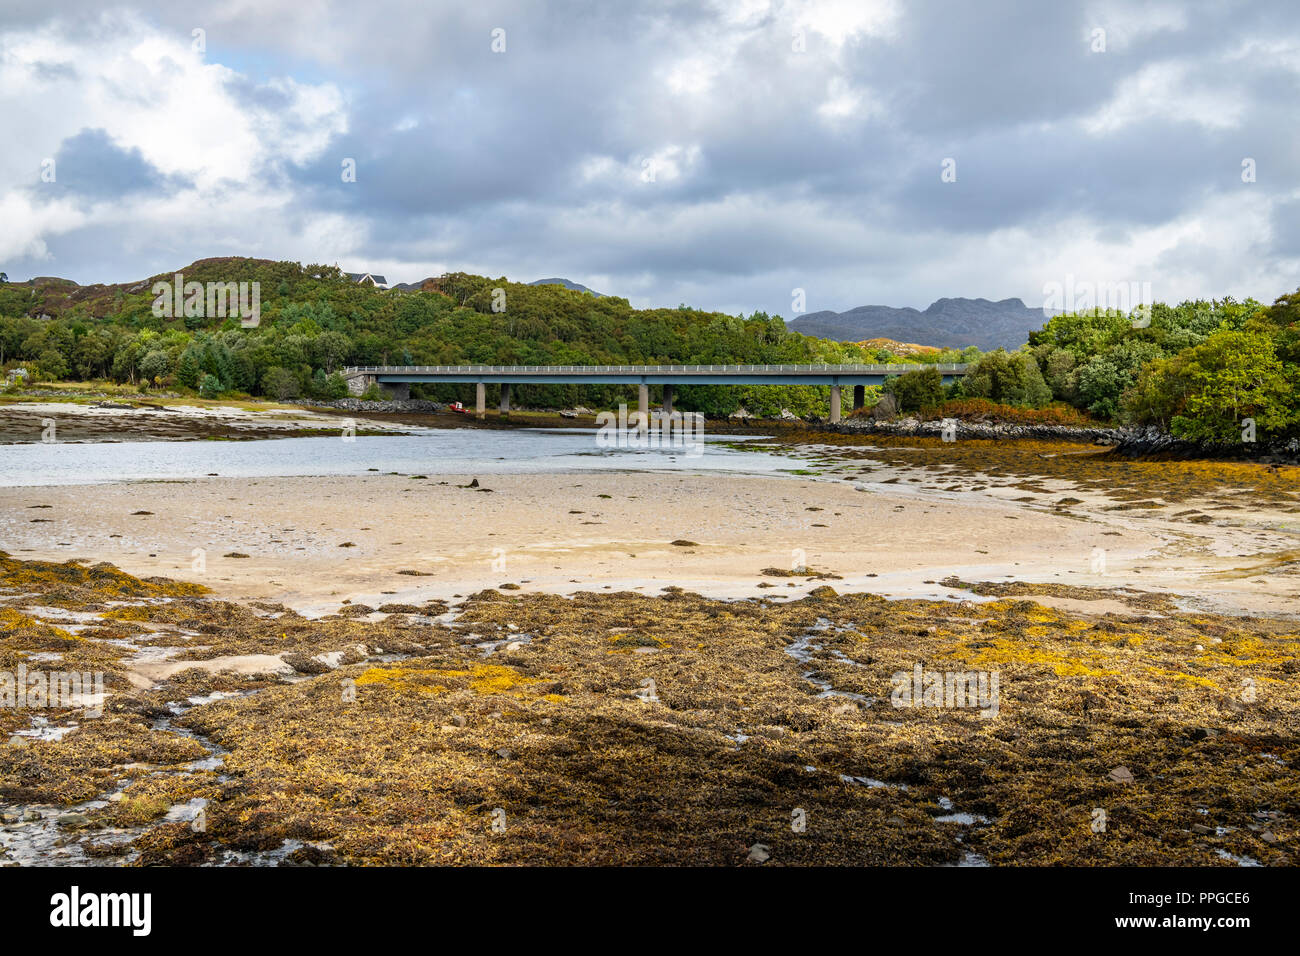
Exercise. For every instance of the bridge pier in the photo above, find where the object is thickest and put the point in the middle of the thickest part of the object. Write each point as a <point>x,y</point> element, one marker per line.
<point>643,406</point>
<point>505,398</point>
<point>668,399</point>
<point>859,396</point>
<point>480,401</point>
<point>835,404</point>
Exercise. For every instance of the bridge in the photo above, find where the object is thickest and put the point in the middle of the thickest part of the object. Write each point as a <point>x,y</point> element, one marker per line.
<point>395,380</point>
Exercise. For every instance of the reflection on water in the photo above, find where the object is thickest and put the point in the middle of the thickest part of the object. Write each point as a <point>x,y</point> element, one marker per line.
<point>456,451</point>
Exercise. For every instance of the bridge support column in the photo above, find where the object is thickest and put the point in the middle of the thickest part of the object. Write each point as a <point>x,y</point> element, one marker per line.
<point>505,398</point>
<point>859,396</point>
<point>643,406</point>
<point>668,399</point>
<point>835,404</point>
<point>480,401</point>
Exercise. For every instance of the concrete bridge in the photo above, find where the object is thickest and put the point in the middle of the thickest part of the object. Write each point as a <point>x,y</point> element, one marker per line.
<point>395,380</point>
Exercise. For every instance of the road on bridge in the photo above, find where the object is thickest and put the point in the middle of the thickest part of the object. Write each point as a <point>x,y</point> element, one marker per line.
<point>397,379</point>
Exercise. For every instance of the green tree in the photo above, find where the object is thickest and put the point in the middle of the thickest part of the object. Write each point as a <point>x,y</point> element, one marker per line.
<point>1012,379</point>
<point>52,364</point>
<point>916,390</point>
<point>188,371</point>
<point>280,384</point>
<point>1234,375</point>
<point>155,365</point>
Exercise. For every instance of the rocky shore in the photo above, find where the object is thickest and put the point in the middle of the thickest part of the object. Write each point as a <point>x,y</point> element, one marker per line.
<point>1144,442</point>
<point>395,406</point>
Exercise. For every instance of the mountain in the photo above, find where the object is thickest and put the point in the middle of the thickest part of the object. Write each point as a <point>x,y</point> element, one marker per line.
<point>567,284</point>
<point>948,323</point>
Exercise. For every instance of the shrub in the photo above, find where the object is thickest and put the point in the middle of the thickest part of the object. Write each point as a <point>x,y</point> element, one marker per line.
<point>280,383</point>
<point>916,390</point>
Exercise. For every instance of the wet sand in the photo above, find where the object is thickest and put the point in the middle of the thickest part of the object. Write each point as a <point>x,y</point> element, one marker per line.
<point>312,543</point>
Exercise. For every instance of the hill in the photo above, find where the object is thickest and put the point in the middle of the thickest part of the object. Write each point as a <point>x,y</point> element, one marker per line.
<point>313,321</point>
<point>571,286</point>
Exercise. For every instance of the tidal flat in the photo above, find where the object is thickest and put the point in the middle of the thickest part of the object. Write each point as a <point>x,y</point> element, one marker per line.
<point>662,667</point>
<point>628,728</point>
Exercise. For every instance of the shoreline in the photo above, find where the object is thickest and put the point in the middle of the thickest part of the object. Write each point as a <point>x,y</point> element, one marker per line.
<point>313,543</point>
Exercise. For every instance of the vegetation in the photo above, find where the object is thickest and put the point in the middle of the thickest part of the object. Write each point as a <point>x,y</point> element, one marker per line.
<point>1201,370</point>
<point>314,322</point>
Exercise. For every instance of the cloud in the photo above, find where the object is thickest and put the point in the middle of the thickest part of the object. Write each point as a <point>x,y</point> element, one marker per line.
<point>792,143</point>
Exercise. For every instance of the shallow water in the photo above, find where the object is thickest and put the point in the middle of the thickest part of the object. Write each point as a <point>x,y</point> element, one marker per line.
<point>428,451</point>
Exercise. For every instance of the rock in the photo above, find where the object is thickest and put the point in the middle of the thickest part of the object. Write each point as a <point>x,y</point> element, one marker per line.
<point>760,853</point>
<point>1121,775</point>
<point>31,816</point>
<point>458,720</point>
<point>74,820</point>
<point>505,753</point>
<point>887,407</point>
<point>1268,836</point>
<point>740,414</point>
<point>10,816</point>
<point>1202,829</point>
<point>304,664</point>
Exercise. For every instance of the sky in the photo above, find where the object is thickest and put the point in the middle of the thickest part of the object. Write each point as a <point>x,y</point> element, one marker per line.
<point>721,154</point>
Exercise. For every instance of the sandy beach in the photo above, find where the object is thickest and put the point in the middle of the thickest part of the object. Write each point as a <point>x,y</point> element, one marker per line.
<point>313,543</point>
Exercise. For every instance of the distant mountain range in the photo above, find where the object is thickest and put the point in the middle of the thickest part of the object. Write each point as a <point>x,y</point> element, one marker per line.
<point>948,323</point>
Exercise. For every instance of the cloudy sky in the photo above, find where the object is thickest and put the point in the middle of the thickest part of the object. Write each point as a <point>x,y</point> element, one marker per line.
<point>717,153</point>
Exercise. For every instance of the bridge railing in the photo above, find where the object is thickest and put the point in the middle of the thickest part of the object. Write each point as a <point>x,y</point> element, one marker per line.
<point>948,368</point>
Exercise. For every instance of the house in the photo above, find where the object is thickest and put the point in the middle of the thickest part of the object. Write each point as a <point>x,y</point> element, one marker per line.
<point>366,278</point>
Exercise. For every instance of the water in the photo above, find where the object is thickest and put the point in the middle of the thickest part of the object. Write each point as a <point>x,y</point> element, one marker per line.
<point>426,451</point>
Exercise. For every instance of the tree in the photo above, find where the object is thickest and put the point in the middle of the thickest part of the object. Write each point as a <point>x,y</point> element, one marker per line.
<point>188,371</point>
<point>1105,377</point>
<point>155,365</point>
<point>1234,375</point>
<point>280,383</point>
<point>1010,379</point>
<point>916,390</point>
<point>210,387</point>
<point>52,364</point>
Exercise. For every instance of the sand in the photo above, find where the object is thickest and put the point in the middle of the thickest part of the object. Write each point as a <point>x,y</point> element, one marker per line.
<point>313,543</point>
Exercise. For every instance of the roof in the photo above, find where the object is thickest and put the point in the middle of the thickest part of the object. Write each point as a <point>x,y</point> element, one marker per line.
<point>363,276</point>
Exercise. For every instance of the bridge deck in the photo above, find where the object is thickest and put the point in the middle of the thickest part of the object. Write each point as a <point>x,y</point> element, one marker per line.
<point>650,374</point>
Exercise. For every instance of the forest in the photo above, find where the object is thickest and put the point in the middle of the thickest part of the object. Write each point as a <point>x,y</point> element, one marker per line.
<point>1203,370</point>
